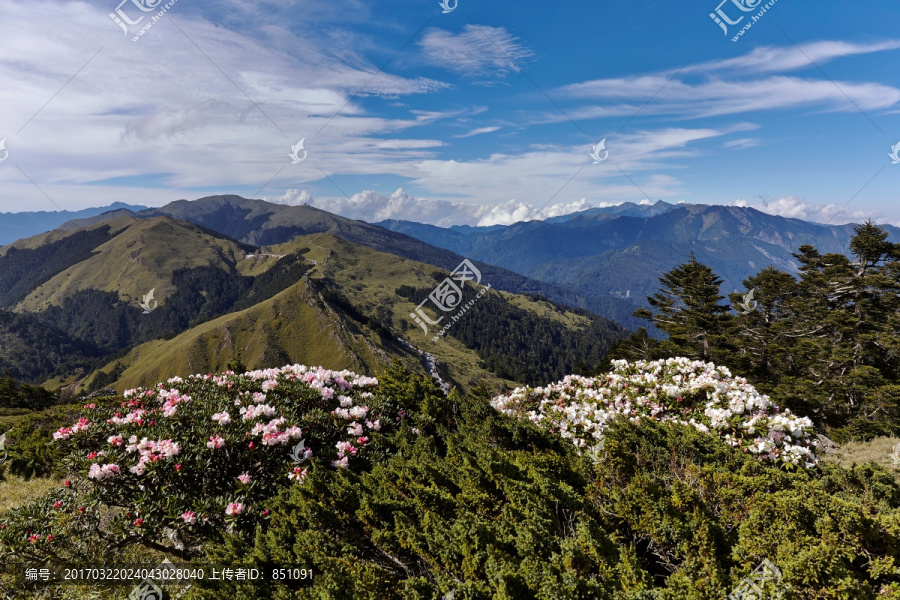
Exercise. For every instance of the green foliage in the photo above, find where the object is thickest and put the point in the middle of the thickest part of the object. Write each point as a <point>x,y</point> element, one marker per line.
<point>493,508</point>
<point>688,308</point>
<point>31,350</point>
<point>467,500</point>
<point>521,345</point>
<point>825,344</point>
<point>32,452</point>
<point>30,397</point>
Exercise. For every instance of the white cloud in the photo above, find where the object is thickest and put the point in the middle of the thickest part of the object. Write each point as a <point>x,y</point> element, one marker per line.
<point>160,109</point>
<point>479,52</point>
<point>735,86</point>
<point>374,207</point>
<point>479,131</point>
<point>792,207</point>
<point>742,143</point>
<point>771,59</point>
<point>513,212</point>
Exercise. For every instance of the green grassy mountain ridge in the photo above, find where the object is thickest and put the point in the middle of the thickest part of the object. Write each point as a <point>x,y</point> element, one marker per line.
<point>317,299</point>
<point>264,223</point>
<point>346,312</point>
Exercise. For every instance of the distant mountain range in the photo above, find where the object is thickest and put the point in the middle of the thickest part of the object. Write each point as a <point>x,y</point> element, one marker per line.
<point>18,225</point>
<point>622,251</point>
<point>606,260</point>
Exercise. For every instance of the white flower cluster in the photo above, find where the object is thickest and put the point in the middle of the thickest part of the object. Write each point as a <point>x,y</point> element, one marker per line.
<point>678,390</point>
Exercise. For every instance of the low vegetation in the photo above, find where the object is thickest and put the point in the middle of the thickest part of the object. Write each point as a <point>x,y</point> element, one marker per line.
<point>444,494</point>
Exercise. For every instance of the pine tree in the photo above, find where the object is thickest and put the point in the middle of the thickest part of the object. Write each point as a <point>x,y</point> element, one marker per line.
<point>688,308</point>
<point>763,329</point>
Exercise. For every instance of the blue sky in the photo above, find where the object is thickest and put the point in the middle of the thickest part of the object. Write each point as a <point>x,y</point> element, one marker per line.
<point>483,115</point>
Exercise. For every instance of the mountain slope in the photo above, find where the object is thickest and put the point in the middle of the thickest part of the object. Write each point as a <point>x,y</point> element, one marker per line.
<point>76,295</point>
<point>346,312</point>
<point>264,223</point>
<point>33,351</point>
<point>295,326</point>
<point>135,256</point>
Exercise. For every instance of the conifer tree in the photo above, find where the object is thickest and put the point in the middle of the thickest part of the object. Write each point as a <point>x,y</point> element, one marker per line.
<point>688,308</point>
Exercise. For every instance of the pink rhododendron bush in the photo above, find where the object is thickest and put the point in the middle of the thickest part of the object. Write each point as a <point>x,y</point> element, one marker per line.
<point>204,454</point>
<point>677,390</point>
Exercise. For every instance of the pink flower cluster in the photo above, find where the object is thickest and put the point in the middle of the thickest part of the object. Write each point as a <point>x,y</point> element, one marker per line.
<point>135,416</point>
<point>64,433</point>
<point>348,449</point>
<point>222,418</point>
<point>97,472</point>
<point>172,399</point>
<point>208,419</point>
<point>271,434</point>
<point>151,451</point>
<point>298,474</point>
<point>248,413</point>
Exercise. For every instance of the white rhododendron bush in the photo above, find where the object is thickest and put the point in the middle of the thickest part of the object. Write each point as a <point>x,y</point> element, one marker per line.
<point>677,390</point>
<point>208,451</point>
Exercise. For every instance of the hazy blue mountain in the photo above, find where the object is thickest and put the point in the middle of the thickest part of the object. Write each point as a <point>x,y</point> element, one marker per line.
<point>19,225</point>
<point>622,251</point>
